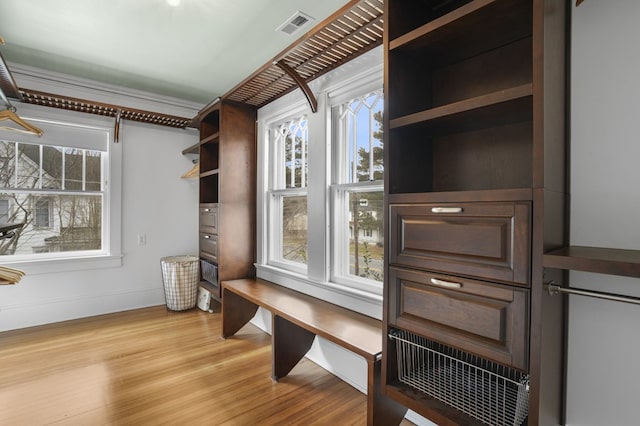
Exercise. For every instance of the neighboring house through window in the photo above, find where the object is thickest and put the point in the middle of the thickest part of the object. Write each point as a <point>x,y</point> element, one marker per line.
<point>4,211</point>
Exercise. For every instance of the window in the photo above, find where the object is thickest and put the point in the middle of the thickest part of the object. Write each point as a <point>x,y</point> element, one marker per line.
<point>357,191</point>
<point>320,180</point>
<point>42,213</point>
<point>288,192</point>
<point>4,211</point>
<point>56,186</point>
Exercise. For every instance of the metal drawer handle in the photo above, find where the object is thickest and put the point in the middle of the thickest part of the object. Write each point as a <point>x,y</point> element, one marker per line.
<point>207,210</point>
<point>445,284</point>
<point>206,237</point>
<point>446,210</point>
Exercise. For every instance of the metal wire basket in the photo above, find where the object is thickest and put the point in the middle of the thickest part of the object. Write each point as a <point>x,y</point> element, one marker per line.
<point>209,272</point>
<point>490,392</point>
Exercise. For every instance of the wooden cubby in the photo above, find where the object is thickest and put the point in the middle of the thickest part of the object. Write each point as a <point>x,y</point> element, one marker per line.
<point>228,189</point>
<point>475,105</point>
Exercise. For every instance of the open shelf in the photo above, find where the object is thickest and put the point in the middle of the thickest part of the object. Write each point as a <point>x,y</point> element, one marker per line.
<point>505,106</point>
<point>193,149</point>
<point>463,32</point>
<point>211,138</point>
<point>595,259</point>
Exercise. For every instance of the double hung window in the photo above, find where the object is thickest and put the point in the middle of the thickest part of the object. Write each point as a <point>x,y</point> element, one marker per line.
<point>56,186</point>
<point>288,193</point>
<point>357,191</point>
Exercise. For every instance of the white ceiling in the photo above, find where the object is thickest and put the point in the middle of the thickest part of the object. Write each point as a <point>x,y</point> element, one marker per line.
<point>196,51</point>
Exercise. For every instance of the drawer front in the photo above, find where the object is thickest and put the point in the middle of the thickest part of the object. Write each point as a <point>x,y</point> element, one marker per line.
<point>485,240</point>
<point>209,218</point>
<point>490,320</point>
<point>209,246</point>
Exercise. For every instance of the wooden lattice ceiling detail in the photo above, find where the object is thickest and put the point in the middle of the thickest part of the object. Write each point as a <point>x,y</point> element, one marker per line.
<point>350,32</point>
<point>108,110</point>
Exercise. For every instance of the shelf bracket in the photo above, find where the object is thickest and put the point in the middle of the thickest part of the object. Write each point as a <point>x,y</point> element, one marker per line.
<point>313,103</point>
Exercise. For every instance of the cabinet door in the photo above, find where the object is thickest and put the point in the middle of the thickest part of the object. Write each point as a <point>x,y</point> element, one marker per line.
<point>209,218</point>
<point>485,240</point>
<point>489,320</point>
<point>209,246</point>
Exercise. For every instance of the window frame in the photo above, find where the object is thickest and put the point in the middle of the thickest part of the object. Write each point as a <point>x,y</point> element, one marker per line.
<point>70,124</point>
<point>340,189</point>
<point>277,191</point>
<point>364,74</point>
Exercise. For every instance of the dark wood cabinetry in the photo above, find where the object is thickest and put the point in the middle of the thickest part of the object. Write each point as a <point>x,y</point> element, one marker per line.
<point>476,194</point>
<point>227,191</point>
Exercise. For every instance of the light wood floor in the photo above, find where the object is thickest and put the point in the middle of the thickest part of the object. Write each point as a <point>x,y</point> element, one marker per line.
<point>153,366</point>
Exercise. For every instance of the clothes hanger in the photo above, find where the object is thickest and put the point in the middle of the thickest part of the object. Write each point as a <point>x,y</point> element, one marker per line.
<point>9,114</point>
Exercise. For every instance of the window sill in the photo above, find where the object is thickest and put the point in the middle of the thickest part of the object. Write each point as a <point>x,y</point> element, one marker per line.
<point>67,264</point>
<point>366,303</point>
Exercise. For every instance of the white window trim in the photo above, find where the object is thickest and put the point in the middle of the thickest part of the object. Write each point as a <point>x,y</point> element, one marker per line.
<point>363,74</point>
<point>111,255</point>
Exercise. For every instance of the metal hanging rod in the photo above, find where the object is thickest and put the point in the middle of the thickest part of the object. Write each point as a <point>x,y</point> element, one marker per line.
<point>555,289</point>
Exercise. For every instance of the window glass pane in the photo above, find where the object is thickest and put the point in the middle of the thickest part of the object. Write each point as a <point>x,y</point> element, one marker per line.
<point>366,235</point>
<point>294,228</point>
<point>73,164</point>
<point>28,166</point>
<point>93,170</point>
<point>51,167</point>
<point>292,138</point>
<point>58,223</point>
<point>361,122</point>
<point>7,163</point>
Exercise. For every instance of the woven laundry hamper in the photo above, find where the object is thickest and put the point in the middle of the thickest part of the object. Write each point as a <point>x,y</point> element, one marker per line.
<point>180,277</point>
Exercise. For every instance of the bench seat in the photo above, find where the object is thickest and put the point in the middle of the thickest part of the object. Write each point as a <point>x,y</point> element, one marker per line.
<point>296,320</point>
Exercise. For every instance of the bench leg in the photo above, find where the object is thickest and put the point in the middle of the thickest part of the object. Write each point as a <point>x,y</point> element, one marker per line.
<point>381,410</point>
<point>236,312</point>
<point>289,344</point>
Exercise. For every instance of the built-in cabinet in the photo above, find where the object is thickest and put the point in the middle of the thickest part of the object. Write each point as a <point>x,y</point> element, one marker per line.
<point>475,192</point>
<point>227,193</point>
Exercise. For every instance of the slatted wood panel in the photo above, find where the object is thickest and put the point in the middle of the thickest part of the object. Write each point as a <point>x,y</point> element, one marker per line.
<point>108,110</point>
<point>345,35</point>
<point>151,366</point>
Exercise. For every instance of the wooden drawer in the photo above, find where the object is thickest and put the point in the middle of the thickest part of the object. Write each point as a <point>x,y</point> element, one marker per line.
<point>209,218</point>
<point>485,240</point>
<point>209,246</point>
<point>490,320</point>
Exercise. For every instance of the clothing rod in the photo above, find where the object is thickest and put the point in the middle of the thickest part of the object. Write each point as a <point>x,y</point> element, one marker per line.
<point>6,102</point>
<point>556,289</point>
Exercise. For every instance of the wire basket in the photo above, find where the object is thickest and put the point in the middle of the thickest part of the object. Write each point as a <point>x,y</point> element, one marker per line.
<point>209,272</point>
<point>180,278</point>
<point>490,392</point>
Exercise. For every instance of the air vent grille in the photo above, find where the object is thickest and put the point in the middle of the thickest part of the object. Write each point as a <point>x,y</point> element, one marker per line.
<point>294,23</point>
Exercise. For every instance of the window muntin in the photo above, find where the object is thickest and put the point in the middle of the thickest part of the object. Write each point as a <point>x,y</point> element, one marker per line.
<point>357,191</point>
<point>57,193</point>
<point>288,193</point>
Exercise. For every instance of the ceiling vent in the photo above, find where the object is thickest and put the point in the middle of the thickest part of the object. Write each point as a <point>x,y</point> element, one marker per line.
<point>294,23</point>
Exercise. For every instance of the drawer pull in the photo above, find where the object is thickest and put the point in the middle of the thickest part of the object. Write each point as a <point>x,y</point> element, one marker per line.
<point>207,210</point>
<point>206,237</point>
<point>446,210</point>
<point>445,284</point>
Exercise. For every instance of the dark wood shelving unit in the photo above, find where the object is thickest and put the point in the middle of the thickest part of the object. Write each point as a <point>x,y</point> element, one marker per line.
<point>598,260</point>
<point>475,190</point>
<point>227,150</point>
<point>193,149</point>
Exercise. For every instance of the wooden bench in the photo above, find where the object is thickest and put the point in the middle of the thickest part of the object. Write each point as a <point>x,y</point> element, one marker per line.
<point>296,320</point>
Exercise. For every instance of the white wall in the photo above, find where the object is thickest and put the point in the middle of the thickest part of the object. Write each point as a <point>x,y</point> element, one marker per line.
<point>604,337</point>
<point>156,203</point>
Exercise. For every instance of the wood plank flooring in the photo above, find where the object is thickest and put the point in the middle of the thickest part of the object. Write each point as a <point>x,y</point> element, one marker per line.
<point>153,366</point>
